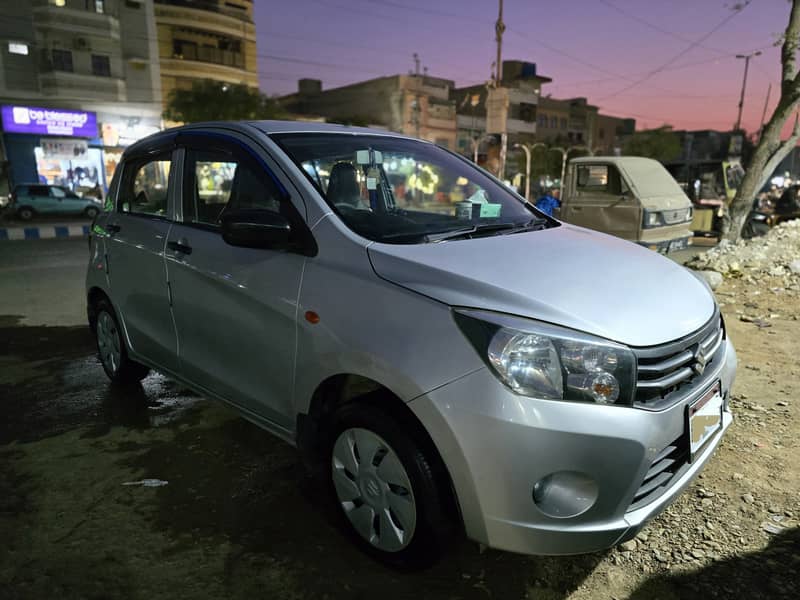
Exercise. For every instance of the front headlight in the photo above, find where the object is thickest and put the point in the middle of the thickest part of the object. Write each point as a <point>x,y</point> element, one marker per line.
<point>652,219</point>
<point>545,361</point>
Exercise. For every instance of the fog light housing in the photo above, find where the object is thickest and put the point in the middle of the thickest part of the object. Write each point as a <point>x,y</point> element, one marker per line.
<point>565,494</point>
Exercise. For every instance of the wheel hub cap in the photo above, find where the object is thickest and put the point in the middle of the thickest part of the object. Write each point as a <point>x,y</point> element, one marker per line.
<point>374,489</point>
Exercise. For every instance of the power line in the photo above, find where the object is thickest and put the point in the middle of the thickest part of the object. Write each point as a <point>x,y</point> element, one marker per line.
<point>694,44</point>
<point>655,27</point>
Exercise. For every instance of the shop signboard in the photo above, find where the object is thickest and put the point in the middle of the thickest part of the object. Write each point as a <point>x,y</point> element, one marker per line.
<point>49,121</point>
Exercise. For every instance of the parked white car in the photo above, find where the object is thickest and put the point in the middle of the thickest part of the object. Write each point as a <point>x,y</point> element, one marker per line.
<point>452,358</point>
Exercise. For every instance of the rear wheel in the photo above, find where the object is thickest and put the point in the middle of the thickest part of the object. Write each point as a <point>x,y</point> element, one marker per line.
<point>111,348</point>
<point>25,213</point>
<point>91,212</point>
<point>388,487</point>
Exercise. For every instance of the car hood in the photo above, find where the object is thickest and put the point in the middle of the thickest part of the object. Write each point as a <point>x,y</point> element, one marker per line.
<point>566,275</point>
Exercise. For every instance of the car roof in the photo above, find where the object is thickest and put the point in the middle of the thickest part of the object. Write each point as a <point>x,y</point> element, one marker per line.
<point>265,127</point>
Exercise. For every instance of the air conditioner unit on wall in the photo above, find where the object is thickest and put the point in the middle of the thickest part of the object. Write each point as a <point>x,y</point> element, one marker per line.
<point>81,43</point>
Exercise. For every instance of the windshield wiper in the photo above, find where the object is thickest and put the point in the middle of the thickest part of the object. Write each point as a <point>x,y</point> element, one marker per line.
<point>502,228</point>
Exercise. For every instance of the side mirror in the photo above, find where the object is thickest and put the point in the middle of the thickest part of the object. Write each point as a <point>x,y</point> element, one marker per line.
<point>255,228</point>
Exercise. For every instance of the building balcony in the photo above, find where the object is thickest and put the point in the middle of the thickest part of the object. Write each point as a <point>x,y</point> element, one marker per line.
<point>81,85</point>
<point>211,55</point>
<point>76,22</point>
<point>518,126</point>
<point>198,69</point>
<point>210,5</point>
<point>187,15</point>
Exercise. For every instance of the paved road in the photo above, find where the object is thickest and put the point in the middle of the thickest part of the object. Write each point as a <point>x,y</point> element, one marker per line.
<point>42,281</point>
<point>237,518</point>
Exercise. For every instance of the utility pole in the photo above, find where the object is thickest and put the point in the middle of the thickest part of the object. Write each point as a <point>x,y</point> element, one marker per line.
<point>746,58</point>
<point>764,114</point>
<point>499,28</point>
<point>417,87</point>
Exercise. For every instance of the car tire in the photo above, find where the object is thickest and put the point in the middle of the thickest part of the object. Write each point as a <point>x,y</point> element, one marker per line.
<point>91,212</point>
<point>111,348</point>
<point>25,213</point>
<point>397,505</point>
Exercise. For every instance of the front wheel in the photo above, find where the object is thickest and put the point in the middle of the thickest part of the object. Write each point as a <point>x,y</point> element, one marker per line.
<point>389,488</point>
<point>111,348</point>
<point>25,213</point>
<point>91,212</point>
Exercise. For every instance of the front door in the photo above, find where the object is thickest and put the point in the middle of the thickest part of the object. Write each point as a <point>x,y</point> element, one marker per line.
<point>234,307</point>
<point>137,233</point>
<point>600,199</point>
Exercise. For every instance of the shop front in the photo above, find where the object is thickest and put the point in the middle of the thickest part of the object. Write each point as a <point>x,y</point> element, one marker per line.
<point>53,145</point>
<point>119,132</point>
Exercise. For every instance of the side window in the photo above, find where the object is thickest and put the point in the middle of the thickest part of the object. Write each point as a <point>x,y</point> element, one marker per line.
<point>57,192</point>
<point>144,187</point>
<point>217,182</point>
<point>38,190</point>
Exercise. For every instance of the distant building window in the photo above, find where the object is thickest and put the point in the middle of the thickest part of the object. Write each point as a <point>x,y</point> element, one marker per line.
<point>62,60</point>
<point>553,122</point>
<point>563,123</point>
<point>100,6</point>
<point>602,133</point>
<point>18,48</point>
<point>101,65</point>
<point>184,49</point>
<point>542,120</point>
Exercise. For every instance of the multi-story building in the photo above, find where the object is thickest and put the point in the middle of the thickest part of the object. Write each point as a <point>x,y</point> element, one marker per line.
<point>509,110</point>
<point>610,133</point>
<point>416,105</point>
<point>205,39</point>
<point>79,80</point>
<point>575,122</point>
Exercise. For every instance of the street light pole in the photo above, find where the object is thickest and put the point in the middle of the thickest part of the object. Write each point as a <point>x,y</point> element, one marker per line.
<point>746,58</point>
<point>527,170</point>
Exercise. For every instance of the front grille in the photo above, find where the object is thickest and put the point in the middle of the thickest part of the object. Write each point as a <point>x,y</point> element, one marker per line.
<point>668,372</point>
<point>666,465</point>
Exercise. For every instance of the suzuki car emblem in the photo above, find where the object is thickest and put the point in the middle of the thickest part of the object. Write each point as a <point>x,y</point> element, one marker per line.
<point>699,360</point>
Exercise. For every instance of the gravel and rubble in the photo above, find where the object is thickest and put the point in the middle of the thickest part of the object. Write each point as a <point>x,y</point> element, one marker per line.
<point>776,255</point>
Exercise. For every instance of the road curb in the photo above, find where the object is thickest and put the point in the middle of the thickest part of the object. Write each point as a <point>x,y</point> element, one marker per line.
<point>42,232</point>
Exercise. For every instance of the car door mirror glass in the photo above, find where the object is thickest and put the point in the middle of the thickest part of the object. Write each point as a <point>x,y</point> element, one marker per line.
<point>254,228</point>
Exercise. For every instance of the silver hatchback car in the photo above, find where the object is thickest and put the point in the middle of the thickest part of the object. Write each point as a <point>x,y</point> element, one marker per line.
<point>448,358</point>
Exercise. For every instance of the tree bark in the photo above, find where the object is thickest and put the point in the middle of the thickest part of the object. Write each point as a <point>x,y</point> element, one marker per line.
<point>770,151</point>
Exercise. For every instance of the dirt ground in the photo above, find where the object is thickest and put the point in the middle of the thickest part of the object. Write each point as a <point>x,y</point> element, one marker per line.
<point>238,518</point>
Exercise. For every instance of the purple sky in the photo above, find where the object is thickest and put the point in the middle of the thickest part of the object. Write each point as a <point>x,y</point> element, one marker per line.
<point>665,61</point>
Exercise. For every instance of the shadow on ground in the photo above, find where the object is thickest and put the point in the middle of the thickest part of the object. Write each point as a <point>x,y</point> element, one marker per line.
<point>238,482</point>
<point>72,531</point>
<point>770,574</point>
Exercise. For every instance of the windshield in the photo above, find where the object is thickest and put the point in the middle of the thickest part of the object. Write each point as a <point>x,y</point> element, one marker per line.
<point>402,191</point>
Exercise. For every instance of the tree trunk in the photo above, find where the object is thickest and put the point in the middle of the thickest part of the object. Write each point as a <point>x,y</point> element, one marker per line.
<point>770,151</point>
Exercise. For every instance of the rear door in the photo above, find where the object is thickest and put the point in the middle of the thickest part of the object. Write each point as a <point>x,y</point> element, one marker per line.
<point>234,307</point>
<point>40,199</point>
<point>601,200</point>
<point>137,234</point>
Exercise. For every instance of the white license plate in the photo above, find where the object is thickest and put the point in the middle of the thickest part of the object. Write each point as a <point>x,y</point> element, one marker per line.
<point>677,245</point>
<point>705,419</point>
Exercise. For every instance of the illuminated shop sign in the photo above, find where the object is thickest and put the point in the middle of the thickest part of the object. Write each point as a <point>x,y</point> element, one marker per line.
<point>49,121</point>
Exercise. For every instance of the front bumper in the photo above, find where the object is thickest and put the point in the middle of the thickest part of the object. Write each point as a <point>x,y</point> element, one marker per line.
<point>497,445</point>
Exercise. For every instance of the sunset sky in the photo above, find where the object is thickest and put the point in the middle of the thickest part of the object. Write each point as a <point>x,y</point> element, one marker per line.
<point>667,61</point>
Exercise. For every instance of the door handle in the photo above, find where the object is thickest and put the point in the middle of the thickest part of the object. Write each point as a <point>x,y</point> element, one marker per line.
<point>180,246</point>
<point>577,208</point>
